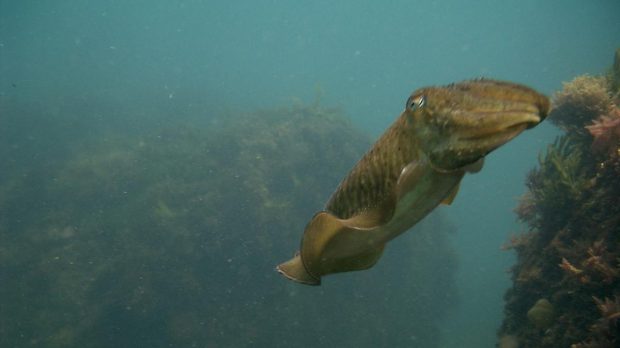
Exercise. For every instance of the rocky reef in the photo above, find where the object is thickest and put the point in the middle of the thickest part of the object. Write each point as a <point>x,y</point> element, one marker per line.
<point>125,228</point>
<point>566,282</point>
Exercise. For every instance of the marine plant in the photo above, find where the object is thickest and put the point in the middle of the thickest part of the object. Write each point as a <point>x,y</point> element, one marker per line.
<point>571,251</point>
<point>555,185</point>
<point>580,102</point>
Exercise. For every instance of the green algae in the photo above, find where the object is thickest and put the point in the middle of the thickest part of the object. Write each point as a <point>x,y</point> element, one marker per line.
<point>559,181</point>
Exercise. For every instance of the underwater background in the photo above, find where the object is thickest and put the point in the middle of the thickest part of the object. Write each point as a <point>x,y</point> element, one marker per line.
<point>159,158</point>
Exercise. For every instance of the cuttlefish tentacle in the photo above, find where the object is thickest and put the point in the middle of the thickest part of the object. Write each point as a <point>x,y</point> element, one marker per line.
<point>416,165</point>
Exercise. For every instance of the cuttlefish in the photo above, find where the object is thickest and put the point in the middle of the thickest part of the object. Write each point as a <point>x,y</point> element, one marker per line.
<point>417,164</point>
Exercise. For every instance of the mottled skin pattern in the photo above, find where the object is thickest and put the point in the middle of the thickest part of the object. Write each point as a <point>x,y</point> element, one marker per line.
<point>375,175</point>
<point>416,164</point>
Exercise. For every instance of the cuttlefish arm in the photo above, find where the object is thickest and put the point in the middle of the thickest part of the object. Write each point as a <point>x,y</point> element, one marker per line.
<point>416,165</point>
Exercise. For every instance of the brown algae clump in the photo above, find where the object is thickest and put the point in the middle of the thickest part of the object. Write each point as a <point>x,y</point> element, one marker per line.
<point>580,102</point>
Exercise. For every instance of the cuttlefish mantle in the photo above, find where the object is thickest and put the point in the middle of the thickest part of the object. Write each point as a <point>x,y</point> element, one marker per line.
<point>417,164</point>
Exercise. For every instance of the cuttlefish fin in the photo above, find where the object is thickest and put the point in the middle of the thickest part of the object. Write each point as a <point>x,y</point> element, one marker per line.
<point>450,198</point>
<point>303,267</point>
<point>294,269</point>
<point>333,245</point>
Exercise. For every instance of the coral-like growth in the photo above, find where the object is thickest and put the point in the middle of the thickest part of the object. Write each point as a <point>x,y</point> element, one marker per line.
<point>600,263</point>
<point>606,327</point>
<point>517,241</point>
<point>572,251</point>
<point>572,270</point>
<point>610,310</point>
<point>597,266</point>
<point>606,132</point>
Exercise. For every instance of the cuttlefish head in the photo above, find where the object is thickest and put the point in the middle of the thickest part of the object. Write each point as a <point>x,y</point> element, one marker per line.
<point>457,125</point>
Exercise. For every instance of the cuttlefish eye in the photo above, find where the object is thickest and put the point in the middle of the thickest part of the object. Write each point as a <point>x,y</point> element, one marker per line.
<point>415,102</point>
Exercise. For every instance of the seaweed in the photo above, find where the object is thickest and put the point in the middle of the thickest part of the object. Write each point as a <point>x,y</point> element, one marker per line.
<point>559,181</point>
<point>570,254</point>
<point>580,102</point>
